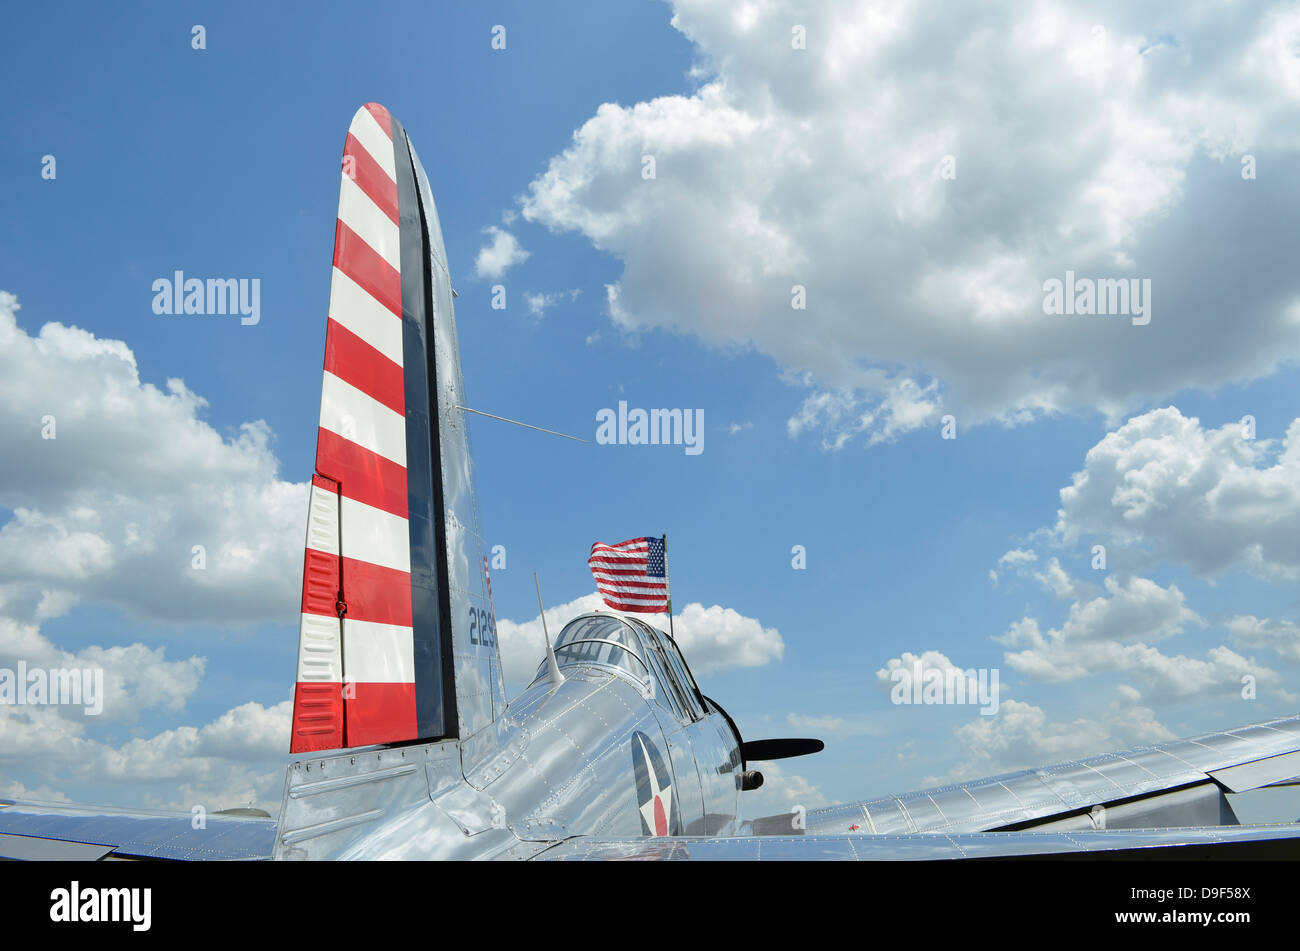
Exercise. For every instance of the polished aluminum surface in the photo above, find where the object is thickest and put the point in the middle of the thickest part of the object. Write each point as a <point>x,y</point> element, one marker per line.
<point>26,848</point>
<point>554,778</point>
<point>559,763</point>
<point>1035,794</point>
<point>480,691</point>
<point>143,834</point>
<point>1273,770</point>
<point>922,847</point>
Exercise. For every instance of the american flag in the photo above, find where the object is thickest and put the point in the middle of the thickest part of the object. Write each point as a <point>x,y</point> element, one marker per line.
<point>632,575</point>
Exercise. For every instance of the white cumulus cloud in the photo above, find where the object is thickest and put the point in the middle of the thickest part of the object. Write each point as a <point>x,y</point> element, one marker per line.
<point>917,220</point>
<point>500,254</point>
<point>1110,634</point>
<point>1276,635</point>
<point>711,639</point>
<point>1175,491</point>
<point>1022,736</point>
<point>112,508</point>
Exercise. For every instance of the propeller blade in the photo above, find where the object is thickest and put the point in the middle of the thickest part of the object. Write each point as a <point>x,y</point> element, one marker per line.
<point>779,749</point>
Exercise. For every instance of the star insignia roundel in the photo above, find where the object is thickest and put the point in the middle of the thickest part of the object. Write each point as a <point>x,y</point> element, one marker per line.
<point>654,789</point>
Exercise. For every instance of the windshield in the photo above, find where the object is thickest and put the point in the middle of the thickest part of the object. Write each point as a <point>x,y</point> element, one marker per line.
<point>599,640</point>
<point>670,671</point>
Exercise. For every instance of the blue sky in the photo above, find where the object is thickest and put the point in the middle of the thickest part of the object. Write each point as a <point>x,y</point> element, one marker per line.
<point>822,427</point>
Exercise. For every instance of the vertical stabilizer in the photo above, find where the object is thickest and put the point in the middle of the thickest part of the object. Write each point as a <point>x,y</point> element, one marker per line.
<point>397,639</point>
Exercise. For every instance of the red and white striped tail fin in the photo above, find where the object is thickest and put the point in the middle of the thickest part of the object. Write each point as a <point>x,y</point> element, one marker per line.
<point>388,619</point>
<point>360,479</point>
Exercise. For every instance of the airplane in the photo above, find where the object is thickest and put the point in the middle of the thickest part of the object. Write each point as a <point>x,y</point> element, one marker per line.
<point>405,744</point>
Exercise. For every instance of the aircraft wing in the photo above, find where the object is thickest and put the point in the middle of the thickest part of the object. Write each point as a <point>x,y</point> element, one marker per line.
<point>1156,799</point>
<point>1169,798</point>
<point>1237,842</point>
<point>1180,783</point>
<point>45,831</point>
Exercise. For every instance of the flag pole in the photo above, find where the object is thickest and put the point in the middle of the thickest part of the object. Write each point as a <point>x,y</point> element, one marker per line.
<point>669,585</point>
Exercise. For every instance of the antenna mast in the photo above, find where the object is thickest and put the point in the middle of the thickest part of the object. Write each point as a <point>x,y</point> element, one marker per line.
<point>552,668</point>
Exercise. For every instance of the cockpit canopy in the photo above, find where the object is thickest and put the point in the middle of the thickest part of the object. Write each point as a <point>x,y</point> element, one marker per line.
<point>627,644</point>
<point>600,639</point>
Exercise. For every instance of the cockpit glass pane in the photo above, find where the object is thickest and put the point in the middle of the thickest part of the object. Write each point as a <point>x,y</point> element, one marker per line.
<point>673,682</point>
<point>599,640</point>
<point>663,689</point>
<point>688,685</point>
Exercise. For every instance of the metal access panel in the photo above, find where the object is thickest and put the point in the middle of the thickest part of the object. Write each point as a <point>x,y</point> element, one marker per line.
<point>1191,806</point>
<point>1271,771</point>
<point>30,848</point>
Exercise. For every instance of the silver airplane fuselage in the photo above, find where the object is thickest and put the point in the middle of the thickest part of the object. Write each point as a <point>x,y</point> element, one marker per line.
<point>603,752</point>
<point>409,748</point>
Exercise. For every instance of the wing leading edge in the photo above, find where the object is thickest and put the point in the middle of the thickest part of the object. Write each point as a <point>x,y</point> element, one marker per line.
<point>1180,783</point>
<point>1164,801</point>
<point>51,831</point>
<point>1237,842</point>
